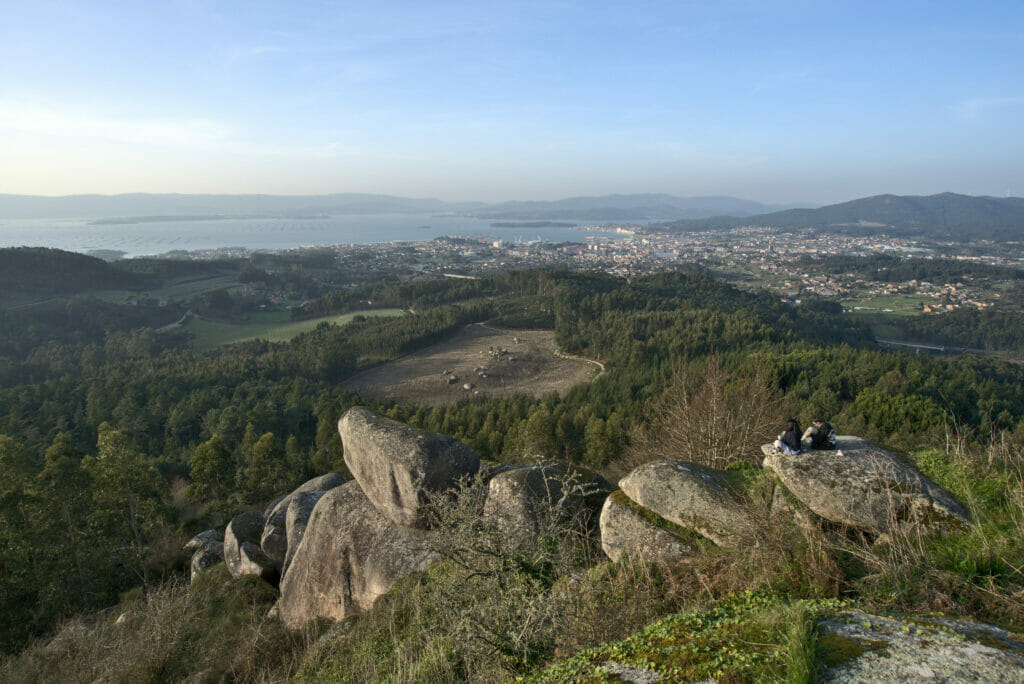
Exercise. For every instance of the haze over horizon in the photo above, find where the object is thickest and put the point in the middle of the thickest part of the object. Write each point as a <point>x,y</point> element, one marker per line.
<point>781,102</point>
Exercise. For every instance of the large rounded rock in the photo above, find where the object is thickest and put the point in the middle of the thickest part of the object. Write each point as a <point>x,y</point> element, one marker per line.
<point>320,483</point>
<point>274,540</point>
<point>252,561</point>
<point>398,466</point>
<point>349,556</point>
<point>243,528</point>
<point>202,540</point>
<point>525,499</point>
<point>864,486</point>
<point>694,497</point>
<point>636,533</point>
<point>299,510</point>
<point>204,557</point>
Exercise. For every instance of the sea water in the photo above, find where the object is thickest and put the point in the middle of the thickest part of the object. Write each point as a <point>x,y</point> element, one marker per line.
<point>159,237</point>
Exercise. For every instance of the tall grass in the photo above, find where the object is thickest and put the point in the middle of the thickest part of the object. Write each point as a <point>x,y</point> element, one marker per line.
<point>217,629</point>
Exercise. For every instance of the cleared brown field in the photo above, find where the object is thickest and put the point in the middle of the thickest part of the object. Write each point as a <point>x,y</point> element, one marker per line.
<point>477,356</point>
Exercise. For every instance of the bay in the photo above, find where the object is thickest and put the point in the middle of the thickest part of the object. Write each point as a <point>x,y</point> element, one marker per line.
<point>159,237</point>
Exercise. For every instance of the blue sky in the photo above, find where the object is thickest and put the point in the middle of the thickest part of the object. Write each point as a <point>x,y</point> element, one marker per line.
<point>775,101</point>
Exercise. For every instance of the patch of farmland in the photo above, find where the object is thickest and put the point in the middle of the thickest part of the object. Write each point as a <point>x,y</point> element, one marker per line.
<point>476,361</point>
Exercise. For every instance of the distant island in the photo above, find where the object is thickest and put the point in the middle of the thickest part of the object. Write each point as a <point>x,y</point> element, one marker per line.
<point>532,224</point>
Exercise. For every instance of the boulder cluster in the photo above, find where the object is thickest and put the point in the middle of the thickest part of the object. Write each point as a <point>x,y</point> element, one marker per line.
<point>334,547</point>
<point>665,510</point>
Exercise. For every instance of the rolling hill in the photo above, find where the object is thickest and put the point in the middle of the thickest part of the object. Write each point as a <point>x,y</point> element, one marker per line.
<point>946,215</point>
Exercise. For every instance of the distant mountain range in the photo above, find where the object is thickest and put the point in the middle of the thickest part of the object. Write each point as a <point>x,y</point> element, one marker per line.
<point>115,208</point>
<point>946,215</point>
<point>626,207</point>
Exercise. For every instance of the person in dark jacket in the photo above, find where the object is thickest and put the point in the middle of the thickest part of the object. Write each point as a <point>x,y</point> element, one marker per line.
<point>789,441</point>
<point>821,435</point>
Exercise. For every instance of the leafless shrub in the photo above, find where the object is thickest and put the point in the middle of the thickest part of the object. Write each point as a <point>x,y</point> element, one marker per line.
<point>496,597</point>
<point>710,417</point>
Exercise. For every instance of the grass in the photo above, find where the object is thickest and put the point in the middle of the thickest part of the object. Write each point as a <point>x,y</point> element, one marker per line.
<point>217,629</point>
<point>179,288</point>
<point>752,637</point>
<point>273,326</point>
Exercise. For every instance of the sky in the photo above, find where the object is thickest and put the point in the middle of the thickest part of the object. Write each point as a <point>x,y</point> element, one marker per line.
<point>782,102</point>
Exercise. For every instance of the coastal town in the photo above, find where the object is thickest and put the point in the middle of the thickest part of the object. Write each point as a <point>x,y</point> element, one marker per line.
<point>788,264</point>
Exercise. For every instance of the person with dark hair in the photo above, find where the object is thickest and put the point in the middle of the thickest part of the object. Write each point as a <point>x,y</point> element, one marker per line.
<point>821,435</point>
<point>789,441</point>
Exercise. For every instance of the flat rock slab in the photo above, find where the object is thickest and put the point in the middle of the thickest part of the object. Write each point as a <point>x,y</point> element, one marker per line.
<point>350,555</point>
<point>694,497</point>
<point>625,530</point>
<point>864,486</point>
<point>919,650</point>
<point>398,466</point>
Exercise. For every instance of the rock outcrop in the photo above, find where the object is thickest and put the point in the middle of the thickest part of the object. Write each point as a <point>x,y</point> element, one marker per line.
<point>204,557</point>
<point>521,497</point>
<point>243,528</point>
<point>252,561</point>
<point>398,466</point>
<point>626,530</point>
<point>864,486</point>
<point>692,496</point>
<point>206,548</point>
<point>349,556</point>
<point>274,540</point>
<point>883,649</point>
<point>202,540</point>
<point>299,510</point>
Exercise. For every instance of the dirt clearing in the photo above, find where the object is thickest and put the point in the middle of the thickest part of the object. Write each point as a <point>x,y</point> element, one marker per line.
<point>476,361</point>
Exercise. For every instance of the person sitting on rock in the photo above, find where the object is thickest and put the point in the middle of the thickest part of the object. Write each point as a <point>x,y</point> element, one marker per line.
<point>820,435</point>
<point>789,441</point>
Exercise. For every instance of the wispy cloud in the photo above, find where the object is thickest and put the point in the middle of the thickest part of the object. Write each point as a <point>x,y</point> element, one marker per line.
<point>980,106</point>
<point>198,134</point>
<point>54,121</point>
<point>247,52</point>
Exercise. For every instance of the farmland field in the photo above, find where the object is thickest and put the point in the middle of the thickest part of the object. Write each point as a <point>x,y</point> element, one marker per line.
<point>178,288</point>
<point>476,356</point>
<point>273,326</point>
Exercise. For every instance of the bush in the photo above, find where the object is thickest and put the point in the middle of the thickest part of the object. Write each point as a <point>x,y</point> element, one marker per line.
<point>709,417</point>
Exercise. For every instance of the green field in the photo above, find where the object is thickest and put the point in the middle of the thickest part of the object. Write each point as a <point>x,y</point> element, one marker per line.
<point>180,288</point>
<point>274,326</point>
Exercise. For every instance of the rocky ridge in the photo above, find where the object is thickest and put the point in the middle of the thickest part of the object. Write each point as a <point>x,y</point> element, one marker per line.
<point>336,547</point>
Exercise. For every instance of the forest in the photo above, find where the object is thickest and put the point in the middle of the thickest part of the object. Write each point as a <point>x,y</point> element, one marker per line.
<point>117,443</point>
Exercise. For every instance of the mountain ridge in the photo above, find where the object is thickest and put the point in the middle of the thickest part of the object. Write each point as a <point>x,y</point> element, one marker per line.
<point>943,215</point>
